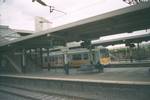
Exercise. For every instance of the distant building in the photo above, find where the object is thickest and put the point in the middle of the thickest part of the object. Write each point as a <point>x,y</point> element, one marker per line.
<point>7,34</point>
<point>42,24</point>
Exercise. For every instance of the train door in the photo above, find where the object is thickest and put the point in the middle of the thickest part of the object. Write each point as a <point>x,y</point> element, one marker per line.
<point>85,58</point>
<point>93,57</point>
<point>96,55</point>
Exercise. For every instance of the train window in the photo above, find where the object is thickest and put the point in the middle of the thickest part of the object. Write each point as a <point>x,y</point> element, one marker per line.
<point>56,59</point>
<point>76,57</point>
<point>104,52</point>
<point>85,56</point>
<point>52,59</point>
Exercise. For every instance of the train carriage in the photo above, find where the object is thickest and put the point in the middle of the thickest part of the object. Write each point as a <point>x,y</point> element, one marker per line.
<point>77,57</point>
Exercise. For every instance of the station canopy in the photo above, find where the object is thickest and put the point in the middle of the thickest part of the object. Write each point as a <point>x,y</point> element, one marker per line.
<point>129,19</point>
<point>125,40</point>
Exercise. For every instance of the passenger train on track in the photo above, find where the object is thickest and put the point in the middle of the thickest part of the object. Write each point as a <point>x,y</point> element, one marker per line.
<point>77,57</point>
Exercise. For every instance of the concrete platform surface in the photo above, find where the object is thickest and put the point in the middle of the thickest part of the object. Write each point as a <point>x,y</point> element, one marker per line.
<point>113,84</point>
<point>110,75</point>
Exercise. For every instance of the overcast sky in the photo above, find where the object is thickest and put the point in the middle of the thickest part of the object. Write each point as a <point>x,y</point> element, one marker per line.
<point>20,14</point>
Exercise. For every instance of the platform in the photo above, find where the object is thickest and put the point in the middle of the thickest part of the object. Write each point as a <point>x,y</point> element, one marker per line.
<point>113,84</point>
<point>117,75</point>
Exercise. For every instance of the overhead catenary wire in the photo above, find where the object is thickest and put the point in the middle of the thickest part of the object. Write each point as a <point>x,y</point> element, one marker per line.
<point>133,2</point>
<point>81,8</point>
<point>52,8</point>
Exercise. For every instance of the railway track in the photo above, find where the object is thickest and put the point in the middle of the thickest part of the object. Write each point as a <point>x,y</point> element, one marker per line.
<point>8,92</point>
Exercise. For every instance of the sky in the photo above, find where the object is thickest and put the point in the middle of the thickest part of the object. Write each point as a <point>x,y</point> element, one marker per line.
<point>20,14</point>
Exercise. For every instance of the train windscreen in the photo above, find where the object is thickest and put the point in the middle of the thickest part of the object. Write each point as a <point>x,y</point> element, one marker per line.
<point>104,52</point>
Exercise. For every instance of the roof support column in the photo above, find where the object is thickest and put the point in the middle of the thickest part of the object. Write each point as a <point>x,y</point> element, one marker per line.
<point>48,60</point>
<point>36,56</point>
<point>23,61</point>
<point>41,57</point>
<point>138,51</point>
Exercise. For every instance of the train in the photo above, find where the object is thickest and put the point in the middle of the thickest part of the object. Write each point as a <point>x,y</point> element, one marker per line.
<point>77,58</point>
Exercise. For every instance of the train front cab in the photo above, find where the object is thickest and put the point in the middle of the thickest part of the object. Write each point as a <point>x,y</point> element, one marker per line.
<point>101,58</point>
